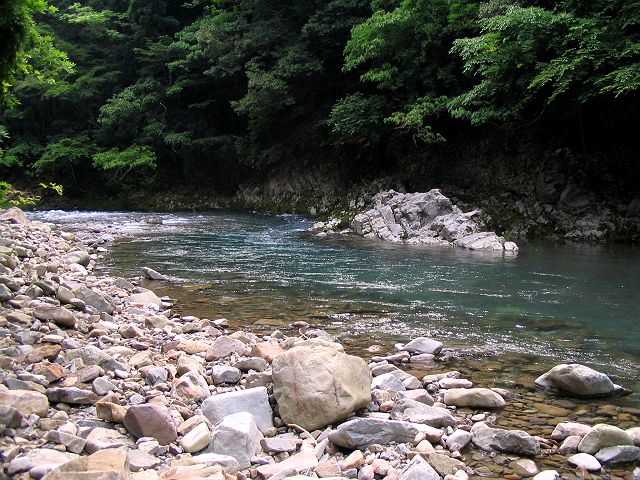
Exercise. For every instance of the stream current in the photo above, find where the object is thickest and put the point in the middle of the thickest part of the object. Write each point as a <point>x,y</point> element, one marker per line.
<point>553,302</point>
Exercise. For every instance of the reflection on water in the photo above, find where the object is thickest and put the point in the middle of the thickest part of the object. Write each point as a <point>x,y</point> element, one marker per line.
<point>563,302</point>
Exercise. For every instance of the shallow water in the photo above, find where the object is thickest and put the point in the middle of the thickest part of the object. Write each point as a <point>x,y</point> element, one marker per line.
<point>552,302</point>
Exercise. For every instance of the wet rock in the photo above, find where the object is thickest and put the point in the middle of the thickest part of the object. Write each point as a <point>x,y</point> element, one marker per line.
<point>254,401</point>
<point>317,385</point>
<point>423,345</point>
<point>576,379</point>
<point>151,420</point>
<point>524,467</point>
<point>586,461</point>
<point>458,440</point>
<point>359,433</point>
<point>602,436</point>
<point>619,455</point>
<point>547,475</point>
<point>445,465</point>
<point>419,469</point>
<point>567,429</point>
<point>415,412</point>
<point>569,445</point>
<point>237,436</point>
<point>26,402</point>
<point>58,315</point>
<point>510,441</point>
<point>151,274</point>
<point>473,397</point>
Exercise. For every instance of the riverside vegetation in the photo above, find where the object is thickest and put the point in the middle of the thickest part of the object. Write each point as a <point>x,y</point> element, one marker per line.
<point>100,378</point>
<point>526,109</point>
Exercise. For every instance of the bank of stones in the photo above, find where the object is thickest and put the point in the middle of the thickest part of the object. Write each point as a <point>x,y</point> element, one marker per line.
<point>100,378</point>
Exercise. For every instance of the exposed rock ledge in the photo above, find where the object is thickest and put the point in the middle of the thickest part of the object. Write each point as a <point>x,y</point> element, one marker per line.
<point>424,218</point>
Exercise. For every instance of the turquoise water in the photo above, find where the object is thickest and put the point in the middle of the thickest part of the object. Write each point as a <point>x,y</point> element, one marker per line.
<point>562,301</point>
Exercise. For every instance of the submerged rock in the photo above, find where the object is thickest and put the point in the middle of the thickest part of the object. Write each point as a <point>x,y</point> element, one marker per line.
<point>510,441</point>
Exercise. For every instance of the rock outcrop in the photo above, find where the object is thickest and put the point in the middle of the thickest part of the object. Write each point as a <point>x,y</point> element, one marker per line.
<point>425,218</point>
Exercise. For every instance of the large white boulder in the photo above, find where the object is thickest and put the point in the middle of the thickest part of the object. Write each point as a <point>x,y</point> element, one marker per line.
<point>316,385</point>
<point>577,379</point>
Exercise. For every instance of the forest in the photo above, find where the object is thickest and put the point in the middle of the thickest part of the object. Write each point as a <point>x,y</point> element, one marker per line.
<point>114,95</point>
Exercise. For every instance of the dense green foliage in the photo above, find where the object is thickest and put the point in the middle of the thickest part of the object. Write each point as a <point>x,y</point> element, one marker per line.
<point>212,92</point>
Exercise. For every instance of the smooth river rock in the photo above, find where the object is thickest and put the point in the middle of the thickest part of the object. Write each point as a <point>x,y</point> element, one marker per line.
<point>510,441</point>
<point>317,385</point>
<point>417,412</point>
<point>359,433</point>
<point>473,398</point>
<point>252,400</point>
<point>576,379</point>
<point>602,436</point>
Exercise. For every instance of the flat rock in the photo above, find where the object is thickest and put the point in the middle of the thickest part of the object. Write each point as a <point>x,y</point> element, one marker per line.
<point>72,395</point>
<point>39,457</point>
<point>359,433</point>
<point>416,412</point>
<point>297,463</point>
<point>151,420</point>
<point>473,398</point>
<point>103,438</point>
<point>619,455</point>
<point>569,429</point>
<point>109,464</point>
<point>27,402</point>
<point>316,385</point>
<point>253,400</point>
<point>58,315</point>
<point>510,441</point>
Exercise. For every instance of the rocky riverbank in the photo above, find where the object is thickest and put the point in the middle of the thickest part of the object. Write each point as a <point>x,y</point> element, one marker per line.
<point>102,379</point>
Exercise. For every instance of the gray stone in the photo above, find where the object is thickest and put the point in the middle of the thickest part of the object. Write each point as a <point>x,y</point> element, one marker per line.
<point>10,417</point>
<point>151,274</point>
<point>252,363</point>
<point>237,436</point>
<point>387,381</point>
<point>577,379</point>
<point>619,455</point>
<point>225,374</point>
<point>510,441</point>
<point>473,398</point>
<point>317,384</point>
<point>424,345</point>
<point>92,355</point>
<point>359,433</point>
<point>39,457</point>
<point>72,443</point>
<point>26,402</point>
<point>253,400</point>
<point>58,315</point>
<point>229,463</point>
<point>458,440</point>
<point>141,460</point>
<point>102,386</point>
<point>71,395</point>
<point>102,438</point>
<point>419,395</point>
<point>279,445</point>
<point>224,346</point>
<point>79,257</point>
<point>602,436</point>
<point>98,300</point>
<point>419,469</point>
<point>569,429</point>
<point>416,412</point>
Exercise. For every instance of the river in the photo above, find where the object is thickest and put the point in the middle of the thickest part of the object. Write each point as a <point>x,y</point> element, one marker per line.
<point>553,302</point>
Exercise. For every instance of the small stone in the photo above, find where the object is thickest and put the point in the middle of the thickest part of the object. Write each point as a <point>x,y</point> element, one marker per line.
<point>151,420</point>
<point>225,374</point>
<point>586,461</point>
<point>102,386</point>
<point>197,439</point>
<point>102,438</point>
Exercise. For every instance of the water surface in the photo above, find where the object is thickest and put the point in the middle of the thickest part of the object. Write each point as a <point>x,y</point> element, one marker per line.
<point>559,302</point>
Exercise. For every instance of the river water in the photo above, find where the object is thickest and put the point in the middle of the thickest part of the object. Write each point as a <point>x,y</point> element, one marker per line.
<point>553,302</point>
